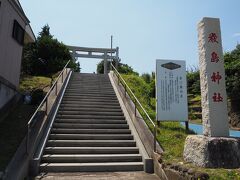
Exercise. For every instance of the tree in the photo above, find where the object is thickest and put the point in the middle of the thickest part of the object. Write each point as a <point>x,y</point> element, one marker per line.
<point>193,82</point>
<point>146,77</point>
<point>46,56</point>
<point>232,70</point>
<point>126,69</point>
<point>122,68</point>
<point>100,67</point>
<point>45,32</point>
<point>29,53</point>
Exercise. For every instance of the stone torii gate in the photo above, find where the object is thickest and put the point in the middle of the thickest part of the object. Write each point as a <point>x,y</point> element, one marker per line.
<point>99,53</point>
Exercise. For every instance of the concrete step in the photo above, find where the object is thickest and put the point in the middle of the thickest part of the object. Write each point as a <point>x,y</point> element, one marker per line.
<point>89,76</point>
<point>87,79</point>
<point>91,137</point>
<point>93,85</point>
<point>90,79</point>
<point>91,121</point>
<point>89,82</point>
<point>90,126</point>
<point>91,150</point>
<point>90,131</point>
<point>92,143</point>
<point>87,116</point>
<point>95,94</point>
<point>91,167</point>
<point>100,90</point>
<point>80,94</point>
<point>89,97</point>
<point>92,82</point>
<point>89,103</point>
<point>75,91</point>
<point>92,158</point>
<point>90,109</point>
<point>90,100</point>
<point>89,113</point>
<point>88,90</point>
<point>96,81</point>
<point>91,106</point>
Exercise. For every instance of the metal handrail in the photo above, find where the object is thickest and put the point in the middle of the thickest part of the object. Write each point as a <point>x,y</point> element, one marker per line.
<point>31,122</point>
<point>136,101</point>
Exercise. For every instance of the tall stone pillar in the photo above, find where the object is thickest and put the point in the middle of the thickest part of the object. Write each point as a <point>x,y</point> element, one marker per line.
<point>212,78</point>
<point>213,149</point>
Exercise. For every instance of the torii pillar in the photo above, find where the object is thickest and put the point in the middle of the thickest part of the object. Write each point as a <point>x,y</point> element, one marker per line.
<point>105,63</point>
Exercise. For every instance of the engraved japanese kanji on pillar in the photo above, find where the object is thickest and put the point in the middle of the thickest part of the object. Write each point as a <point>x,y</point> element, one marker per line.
<point>212,77</point>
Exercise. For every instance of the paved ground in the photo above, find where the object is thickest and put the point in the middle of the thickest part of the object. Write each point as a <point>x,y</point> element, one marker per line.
<point>99,176</point>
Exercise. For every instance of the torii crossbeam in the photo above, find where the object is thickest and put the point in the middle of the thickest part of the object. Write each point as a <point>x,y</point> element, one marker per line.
<point>99,53</point>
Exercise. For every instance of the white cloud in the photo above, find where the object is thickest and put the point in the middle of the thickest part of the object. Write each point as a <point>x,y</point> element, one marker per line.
<point>236,34</point>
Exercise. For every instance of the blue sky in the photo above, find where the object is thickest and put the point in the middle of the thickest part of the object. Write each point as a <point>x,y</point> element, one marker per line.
<point>144,30</point>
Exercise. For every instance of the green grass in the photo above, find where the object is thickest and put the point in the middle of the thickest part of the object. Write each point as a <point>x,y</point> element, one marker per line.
<point>171,135</point>
<point>196,121</point>
<point>12,131</point>
<point>30,83</point>
<point>142,90</point>
<point>197,98</point>
<point>195,106</point>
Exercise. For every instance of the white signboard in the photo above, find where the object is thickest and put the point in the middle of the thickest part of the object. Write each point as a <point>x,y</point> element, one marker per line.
<point>171,90</point>
<point>212,77</point>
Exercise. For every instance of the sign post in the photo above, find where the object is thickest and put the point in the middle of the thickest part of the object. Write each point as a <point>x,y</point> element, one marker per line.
<point>171,90</point>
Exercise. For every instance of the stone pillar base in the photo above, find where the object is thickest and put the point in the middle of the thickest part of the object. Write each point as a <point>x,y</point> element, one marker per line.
<point>212,152</point>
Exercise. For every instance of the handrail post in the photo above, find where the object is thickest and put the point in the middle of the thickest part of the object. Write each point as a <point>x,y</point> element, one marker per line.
<point>125,90</point>
<point>135,103</point>
<point>46,110</point>
<point>155,138</point>
<point>56,89</point>
<point>62,77</point>
<point>118,79</point>
<point>27,139</point>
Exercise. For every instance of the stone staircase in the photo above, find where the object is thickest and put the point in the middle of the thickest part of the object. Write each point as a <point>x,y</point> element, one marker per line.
<point>90,132</point>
